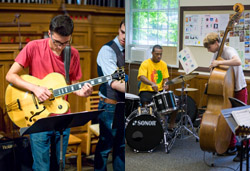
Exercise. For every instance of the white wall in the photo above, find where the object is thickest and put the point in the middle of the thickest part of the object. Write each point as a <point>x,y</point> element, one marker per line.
<point>212,2</point>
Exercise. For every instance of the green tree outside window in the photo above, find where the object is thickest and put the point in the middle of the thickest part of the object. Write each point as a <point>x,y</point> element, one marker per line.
<point>154,22</point>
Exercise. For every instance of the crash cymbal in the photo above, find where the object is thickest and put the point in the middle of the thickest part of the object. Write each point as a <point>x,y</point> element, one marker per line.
<point>182,78</point>
<point>187,89</point>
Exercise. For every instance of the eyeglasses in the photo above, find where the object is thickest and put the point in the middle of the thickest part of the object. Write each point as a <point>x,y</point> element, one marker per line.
<point>58,43</point>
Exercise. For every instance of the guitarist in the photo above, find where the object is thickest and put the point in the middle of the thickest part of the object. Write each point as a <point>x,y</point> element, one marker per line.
<point>231,58</point>
<point>42,57</point>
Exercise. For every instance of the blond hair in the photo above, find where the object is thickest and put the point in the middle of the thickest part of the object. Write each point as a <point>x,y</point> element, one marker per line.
<point>210,39</point>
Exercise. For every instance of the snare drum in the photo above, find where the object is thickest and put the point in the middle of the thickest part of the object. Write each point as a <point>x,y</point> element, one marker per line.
<point>143,131</point>
<point>131,102</point>
<point>165,102</point>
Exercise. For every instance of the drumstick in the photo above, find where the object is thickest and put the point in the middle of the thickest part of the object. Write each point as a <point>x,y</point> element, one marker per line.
<point>139,110</point>
<point>150,110</point>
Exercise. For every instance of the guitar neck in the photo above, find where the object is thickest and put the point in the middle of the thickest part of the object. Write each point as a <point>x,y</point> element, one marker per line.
<point>74,87</point>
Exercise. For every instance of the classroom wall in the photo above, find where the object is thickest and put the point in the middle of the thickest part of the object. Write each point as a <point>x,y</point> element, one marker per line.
<point>201,55</point>
<point>212,2</point>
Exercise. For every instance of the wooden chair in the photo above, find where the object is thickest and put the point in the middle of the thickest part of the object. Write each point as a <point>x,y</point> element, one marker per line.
<point>93,129</point>
<point>74,149</point>
<point>83,137</point>
<point>89,132</point>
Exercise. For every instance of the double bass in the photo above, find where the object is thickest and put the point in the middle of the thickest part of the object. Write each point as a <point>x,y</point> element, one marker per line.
<point>215,134</point>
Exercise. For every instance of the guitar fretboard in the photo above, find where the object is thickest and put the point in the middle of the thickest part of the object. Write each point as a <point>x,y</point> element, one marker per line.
<point>78,86</point>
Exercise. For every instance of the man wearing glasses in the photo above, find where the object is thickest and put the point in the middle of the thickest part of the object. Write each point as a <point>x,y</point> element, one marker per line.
<point>42,57</point>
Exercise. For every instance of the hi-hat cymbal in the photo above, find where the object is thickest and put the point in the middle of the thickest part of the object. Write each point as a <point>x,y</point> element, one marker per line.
<point>187,89</point>
<point>182,78</point>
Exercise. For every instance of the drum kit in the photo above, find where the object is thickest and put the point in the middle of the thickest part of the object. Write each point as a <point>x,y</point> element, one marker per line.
<point>147,127</point>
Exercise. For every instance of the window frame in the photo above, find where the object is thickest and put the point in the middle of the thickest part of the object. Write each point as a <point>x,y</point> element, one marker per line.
<point>130,29</point>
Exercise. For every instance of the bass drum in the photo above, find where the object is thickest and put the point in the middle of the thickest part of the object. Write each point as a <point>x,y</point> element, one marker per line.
<point>143,131</point>
<point>192,110</point>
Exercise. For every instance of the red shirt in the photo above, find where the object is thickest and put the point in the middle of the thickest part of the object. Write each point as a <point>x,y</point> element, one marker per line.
<point>38,56</point>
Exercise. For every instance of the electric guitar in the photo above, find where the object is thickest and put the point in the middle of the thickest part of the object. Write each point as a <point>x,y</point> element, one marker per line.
<point>24,109</point>
<point>242,131</point>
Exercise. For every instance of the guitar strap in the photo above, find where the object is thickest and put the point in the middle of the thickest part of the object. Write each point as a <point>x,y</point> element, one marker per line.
<point>67,56</point>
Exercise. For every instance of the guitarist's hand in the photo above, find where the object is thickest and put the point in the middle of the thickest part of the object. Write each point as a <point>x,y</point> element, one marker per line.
<point>42,93</point>
<point>85,91</point>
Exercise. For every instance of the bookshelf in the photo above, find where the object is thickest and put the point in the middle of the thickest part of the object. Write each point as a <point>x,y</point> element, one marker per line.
<point>102,3</point>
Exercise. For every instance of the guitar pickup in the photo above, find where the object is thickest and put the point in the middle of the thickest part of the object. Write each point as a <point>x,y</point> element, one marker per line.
<point>19,104</point>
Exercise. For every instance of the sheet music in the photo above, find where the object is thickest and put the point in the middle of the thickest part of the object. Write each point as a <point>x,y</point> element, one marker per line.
<point>187,60</point>
<point>242,117</point>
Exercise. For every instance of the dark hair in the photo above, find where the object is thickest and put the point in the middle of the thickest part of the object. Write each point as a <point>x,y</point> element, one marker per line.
<point>156,47</point>
<point>62,25</point>
<point>122,22</point>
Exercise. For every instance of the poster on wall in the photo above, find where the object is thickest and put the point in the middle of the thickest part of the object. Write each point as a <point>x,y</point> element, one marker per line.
<point>197,26</point>
<point>238,38</point>
<point>187,60</point>
<point>244,33</point>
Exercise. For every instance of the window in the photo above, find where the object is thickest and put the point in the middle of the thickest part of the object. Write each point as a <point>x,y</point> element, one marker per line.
<point>153,22</point>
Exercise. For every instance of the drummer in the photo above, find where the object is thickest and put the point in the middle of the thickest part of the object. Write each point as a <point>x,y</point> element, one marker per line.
<point>153,74</point>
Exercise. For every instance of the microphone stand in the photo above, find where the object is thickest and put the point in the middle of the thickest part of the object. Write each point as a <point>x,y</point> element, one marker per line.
<point>16,23</point>
<point>17,16</point>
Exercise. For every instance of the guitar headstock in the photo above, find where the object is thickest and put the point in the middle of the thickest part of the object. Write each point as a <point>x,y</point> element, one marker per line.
<point>119,74</point>
<point>238,8</point>
<point>242,130</point>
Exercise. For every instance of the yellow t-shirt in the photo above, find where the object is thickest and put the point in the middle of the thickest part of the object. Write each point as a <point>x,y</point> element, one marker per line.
<point>154,72</point>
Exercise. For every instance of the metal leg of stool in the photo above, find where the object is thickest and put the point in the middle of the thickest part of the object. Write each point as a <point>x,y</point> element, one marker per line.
<point>166,142</point>
<point>241,155</point>
<point>247,166</point>
<point>165,136</point>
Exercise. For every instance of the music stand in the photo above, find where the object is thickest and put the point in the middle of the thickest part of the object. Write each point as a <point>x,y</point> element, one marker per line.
<point>60,123</point>
<point>227,113</point>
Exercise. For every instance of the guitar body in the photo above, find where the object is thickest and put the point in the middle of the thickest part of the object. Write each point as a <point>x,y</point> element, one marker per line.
<point>215,134</point>
<point>23,107</point>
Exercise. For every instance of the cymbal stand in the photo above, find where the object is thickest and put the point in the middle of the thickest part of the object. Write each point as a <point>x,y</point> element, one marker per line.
<point>185,120</point>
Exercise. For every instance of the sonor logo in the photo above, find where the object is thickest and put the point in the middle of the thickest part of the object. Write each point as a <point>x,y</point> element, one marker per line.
<point>144,123</point>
